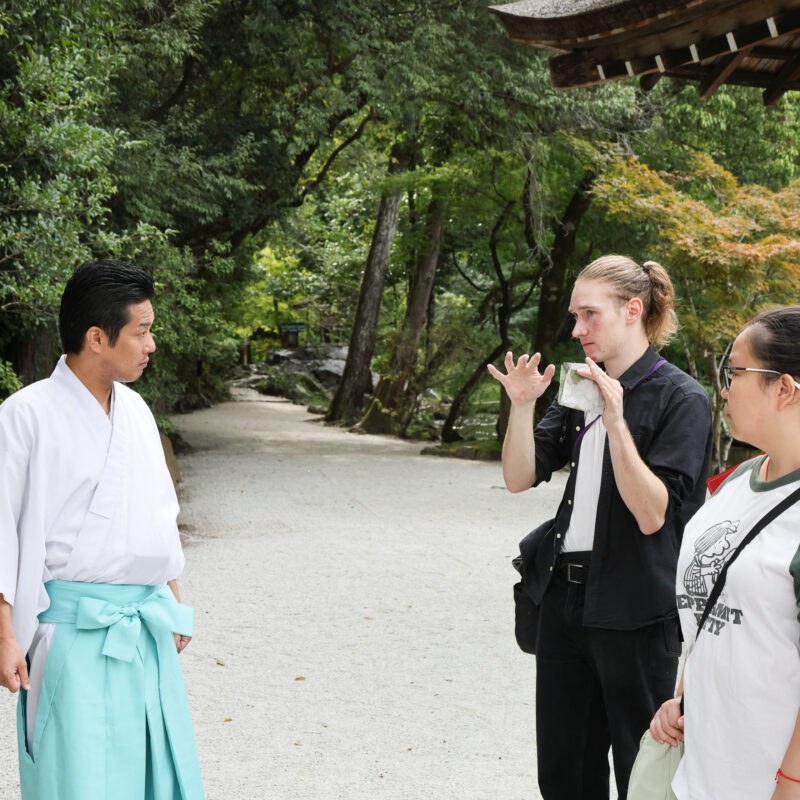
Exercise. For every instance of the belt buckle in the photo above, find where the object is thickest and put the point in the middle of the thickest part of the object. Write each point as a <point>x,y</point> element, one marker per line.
<point>570,579</point>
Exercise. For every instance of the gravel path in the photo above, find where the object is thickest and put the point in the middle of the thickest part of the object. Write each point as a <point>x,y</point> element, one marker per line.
<point>354,617</point>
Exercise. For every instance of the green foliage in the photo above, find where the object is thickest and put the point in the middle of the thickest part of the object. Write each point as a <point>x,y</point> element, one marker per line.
<point>732,249</point>
<point>237,150</point>
<point>195,347</point>
<point>67,154</point>
<point>55,157</point>
<point>316,256</point>
<point>9,380</point>
<point>755,144</point>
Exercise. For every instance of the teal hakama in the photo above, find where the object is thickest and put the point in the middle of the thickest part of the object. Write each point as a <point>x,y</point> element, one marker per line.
<point>113,719</point>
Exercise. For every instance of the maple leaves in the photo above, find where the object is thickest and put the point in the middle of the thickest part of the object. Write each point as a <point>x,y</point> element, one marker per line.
<point>731,249</point>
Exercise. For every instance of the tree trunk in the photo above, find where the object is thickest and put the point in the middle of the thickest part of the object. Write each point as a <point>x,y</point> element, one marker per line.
<point>356,381</point>
<point>35,354</point>
<point>449,433</point>
<point>382,414</point>
<point>721,435</point>
<point>554,296</point>
<point>504,310</point>
<point>555,289</point>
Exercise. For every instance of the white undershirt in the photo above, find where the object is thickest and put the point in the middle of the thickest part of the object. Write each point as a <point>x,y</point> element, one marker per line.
<point>580,534</point>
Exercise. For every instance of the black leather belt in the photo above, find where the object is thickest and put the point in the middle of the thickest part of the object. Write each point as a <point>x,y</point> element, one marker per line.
<point>575,565</point>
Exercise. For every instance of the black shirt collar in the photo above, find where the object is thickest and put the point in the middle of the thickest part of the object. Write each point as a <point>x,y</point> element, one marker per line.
<point>639,368</point>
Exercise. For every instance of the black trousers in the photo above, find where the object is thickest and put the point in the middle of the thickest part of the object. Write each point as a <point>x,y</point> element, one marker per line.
<point>595,689</point>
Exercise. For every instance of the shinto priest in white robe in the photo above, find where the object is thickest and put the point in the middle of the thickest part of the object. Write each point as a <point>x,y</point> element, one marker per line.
<point>85,497</point>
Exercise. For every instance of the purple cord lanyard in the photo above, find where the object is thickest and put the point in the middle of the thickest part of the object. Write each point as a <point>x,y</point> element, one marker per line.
<point>660,363</point>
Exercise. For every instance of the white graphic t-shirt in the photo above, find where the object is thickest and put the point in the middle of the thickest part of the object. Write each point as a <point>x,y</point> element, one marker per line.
<point>742,676</point>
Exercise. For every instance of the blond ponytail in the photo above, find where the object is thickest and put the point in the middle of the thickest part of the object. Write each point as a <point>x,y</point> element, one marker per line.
<point>649,282</point>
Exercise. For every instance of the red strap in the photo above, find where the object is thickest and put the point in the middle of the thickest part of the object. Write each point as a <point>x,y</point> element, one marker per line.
<point>715,481</point>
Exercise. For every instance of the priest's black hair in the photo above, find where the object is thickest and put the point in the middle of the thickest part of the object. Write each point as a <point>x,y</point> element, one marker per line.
<point>99,293</point>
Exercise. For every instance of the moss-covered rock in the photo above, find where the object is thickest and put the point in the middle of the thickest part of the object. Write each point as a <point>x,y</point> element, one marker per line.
<point>299,387</point>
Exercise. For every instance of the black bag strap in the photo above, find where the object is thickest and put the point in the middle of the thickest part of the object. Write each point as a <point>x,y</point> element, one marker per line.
<point>787,501</point>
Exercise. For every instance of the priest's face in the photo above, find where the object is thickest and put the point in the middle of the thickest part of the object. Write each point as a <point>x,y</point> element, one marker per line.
<point>128,357</point>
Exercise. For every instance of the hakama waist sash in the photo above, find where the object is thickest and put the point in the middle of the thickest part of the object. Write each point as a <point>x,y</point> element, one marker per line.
<point>113,720</point>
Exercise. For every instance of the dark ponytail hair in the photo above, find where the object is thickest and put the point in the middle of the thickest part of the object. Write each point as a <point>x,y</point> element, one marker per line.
<point>774,338</point>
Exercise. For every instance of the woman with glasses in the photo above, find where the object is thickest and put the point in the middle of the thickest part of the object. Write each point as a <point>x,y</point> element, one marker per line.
<point>742,674</point>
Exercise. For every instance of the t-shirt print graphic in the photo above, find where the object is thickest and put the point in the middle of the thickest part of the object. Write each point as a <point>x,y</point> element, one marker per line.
<point>711,551</point>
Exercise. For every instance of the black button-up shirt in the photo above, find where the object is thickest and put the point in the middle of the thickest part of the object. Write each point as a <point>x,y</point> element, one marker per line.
<point>631,581</point>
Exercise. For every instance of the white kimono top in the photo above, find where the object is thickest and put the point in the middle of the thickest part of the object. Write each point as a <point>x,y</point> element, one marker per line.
<point>742,676</point>
<point>84,496</point>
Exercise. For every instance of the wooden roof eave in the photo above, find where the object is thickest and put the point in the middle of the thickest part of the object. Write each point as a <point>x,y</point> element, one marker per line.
<point>585,67</point>
<point>608,23</point>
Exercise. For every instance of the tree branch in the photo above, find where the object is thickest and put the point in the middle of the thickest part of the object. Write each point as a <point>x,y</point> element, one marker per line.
<point>304,157</point>
<point>464,274</point>
<point>157,114</point>
<point>332,157</point>
<point>522,303</point>
<point>501,279</point>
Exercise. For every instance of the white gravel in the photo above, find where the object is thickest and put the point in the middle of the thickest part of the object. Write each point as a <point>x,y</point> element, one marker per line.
<point>353,615</point>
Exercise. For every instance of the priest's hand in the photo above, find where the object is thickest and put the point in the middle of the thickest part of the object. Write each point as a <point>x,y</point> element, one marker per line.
<point>13,667</point>
<point>180,640</point>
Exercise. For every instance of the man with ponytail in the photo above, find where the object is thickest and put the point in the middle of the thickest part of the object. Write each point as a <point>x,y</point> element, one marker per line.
<point>603,573</point>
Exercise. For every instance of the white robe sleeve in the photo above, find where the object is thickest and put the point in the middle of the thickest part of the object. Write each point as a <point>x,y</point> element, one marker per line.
<point>14,461</point>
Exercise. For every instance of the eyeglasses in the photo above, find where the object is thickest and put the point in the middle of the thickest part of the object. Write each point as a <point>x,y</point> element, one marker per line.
<point>727,374</point>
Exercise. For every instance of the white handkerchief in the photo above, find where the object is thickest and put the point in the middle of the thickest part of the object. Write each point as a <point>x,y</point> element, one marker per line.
<point>578,392</point>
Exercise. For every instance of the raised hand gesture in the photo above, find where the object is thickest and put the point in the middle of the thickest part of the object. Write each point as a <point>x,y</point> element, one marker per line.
<point>523,383</point>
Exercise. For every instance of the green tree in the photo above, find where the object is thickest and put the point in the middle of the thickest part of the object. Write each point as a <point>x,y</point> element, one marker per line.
<point>731,248</point>
<point>55,165</point>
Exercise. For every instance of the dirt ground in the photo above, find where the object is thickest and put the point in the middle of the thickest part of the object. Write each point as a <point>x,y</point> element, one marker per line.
<point>353,615</point>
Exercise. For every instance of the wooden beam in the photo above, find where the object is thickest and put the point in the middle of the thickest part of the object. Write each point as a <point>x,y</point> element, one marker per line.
<point>788,73</point>
<point>720,72</point>
<point>647,82</point>
<point>584,67</point>
<point>739,77</point>
<point>772,53</point>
